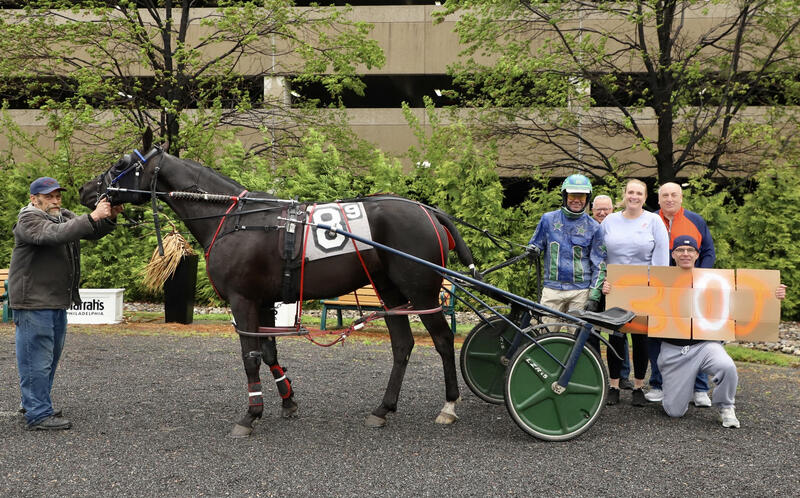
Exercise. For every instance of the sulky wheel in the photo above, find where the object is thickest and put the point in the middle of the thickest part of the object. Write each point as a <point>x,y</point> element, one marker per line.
<point>531,401</point>
<point>482,353</point>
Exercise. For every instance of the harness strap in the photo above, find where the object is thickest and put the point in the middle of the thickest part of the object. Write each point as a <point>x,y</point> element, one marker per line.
<point>438,237</point>
<point>299,312</point>
<point>289,240</point>
<point>154,205</point>
<point>359,323</point>
<point>361,260</point>
<point>272,331</point>
<point>234,202</point>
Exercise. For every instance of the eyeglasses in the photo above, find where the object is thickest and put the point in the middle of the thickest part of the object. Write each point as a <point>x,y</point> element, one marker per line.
<point>684,250</point>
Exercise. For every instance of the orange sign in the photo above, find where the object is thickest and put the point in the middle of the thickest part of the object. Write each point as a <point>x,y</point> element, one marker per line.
<point>699,303</point>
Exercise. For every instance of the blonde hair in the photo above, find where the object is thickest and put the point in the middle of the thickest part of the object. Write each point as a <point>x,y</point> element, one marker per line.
<point>621,203</point>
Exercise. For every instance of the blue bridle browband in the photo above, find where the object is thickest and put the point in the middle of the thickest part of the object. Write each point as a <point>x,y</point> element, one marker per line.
<point>127,170</point>
<point>142,161</point>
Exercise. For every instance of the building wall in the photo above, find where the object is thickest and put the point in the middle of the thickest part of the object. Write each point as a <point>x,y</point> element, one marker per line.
<point>413,45</point>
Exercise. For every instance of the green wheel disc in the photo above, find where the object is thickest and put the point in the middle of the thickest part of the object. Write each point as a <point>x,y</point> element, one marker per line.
<point>530,398</point>
<point>481,358</point>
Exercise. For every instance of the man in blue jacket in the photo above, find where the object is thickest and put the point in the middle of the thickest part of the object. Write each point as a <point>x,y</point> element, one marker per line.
<point>43,282</point>
<point>574,252</point>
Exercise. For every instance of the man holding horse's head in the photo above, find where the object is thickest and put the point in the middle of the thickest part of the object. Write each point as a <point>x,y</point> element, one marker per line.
<point>42,283</point>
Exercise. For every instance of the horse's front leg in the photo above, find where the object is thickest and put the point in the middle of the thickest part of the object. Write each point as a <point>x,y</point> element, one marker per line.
<point>245,315</point>
<point>269,352</point>
<point>251,356</point>
<point>254,350</point>
<point>402,344</point>
<point>270,356</point>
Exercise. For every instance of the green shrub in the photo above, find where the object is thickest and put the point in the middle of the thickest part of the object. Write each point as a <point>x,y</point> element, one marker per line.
<point>765,228</point>
<point>754,230</point>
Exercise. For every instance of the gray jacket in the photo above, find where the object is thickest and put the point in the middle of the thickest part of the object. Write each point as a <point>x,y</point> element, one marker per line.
<point>45,269</point>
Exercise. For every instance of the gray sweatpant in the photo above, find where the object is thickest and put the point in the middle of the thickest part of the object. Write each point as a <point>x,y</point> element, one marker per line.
<point>679,367</point>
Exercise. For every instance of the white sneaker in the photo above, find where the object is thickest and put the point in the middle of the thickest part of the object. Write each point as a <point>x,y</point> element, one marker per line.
<point>654,395</point>
<point>701,399</point>
<point>728,417</point>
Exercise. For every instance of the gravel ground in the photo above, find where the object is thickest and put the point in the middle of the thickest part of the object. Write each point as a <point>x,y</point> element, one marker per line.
<point>138,432</point>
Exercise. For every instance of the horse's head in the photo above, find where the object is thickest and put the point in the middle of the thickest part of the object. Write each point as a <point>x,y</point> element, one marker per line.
<point>126,179</point>
<point>129,173</point>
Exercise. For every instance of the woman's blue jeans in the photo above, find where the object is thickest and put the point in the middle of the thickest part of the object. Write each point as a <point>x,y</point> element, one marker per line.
<point>39,342</point>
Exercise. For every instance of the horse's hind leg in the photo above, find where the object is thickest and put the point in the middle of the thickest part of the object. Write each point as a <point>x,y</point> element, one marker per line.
<point>443,341</point>
<point>402,344</point>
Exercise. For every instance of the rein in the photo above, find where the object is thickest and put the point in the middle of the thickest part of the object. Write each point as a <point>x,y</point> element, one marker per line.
<point>501,243</point>
<point>200,196</point>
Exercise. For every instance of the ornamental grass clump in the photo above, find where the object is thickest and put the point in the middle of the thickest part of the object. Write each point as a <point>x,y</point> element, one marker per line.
<point>160,268</point>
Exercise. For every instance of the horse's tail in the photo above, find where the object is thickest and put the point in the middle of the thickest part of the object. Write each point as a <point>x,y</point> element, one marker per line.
<point>464,254</point>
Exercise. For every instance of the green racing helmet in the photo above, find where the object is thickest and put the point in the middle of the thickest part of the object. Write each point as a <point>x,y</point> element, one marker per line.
<point>575,184</point>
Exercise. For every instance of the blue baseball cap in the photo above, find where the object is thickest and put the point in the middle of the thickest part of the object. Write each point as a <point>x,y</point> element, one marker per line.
<point>45,185</point>
<point>685,240</point>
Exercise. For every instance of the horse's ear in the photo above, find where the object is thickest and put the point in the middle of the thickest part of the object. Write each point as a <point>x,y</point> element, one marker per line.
<point>147,139</point>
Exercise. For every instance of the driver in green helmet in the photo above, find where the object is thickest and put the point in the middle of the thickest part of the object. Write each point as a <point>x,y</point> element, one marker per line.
<point>574,252</point>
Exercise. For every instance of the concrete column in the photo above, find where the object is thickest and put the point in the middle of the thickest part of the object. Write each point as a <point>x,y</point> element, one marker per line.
<point>277,88</point>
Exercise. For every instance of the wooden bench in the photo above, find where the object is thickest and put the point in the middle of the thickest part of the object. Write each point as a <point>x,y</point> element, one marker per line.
<point>368,301</point>
<point>4,286</point>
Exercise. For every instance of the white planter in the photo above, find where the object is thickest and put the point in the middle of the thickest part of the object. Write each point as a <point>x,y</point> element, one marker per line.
<point>99,306</point>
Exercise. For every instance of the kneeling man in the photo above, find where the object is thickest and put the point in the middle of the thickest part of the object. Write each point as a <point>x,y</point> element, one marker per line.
<point>681,359</point>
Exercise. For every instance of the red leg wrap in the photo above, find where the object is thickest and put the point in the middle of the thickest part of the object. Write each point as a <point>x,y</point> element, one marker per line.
<point>282,381</point>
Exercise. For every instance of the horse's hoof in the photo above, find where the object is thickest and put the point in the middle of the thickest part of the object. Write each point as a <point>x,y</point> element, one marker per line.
<point>240,431</point>
<point>446,418</point>
<point>373,421</point>
<point>289,411</point>
<point>448,414</point>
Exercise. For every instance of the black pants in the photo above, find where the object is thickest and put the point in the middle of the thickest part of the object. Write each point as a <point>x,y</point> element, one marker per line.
<point>593,340</point>
<point>639,346</point>
<point>595,343</point>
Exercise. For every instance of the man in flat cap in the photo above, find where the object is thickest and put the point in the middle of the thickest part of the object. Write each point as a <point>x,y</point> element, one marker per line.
<point>43,282</point>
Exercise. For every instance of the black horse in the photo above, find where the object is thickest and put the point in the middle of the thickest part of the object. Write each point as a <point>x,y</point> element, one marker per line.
<point>245,246</point>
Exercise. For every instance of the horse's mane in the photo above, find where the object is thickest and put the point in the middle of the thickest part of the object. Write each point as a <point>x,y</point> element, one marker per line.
<point>204,173</point>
